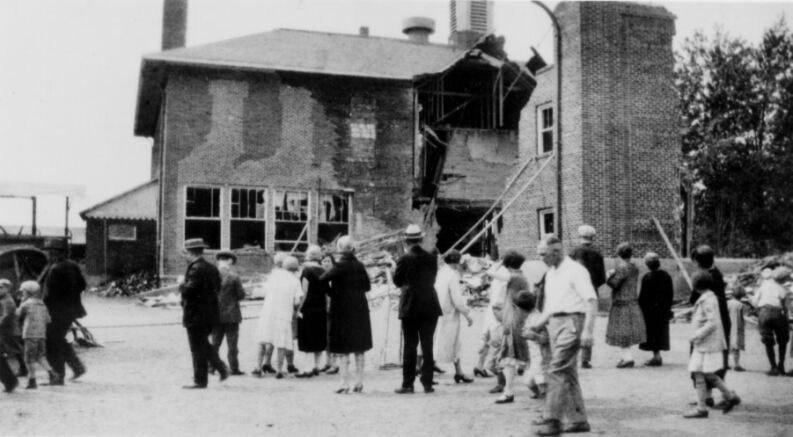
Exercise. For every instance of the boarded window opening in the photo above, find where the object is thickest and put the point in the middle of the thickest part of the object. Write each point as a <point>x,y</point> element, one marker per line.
<point>363,129</point>
<point>334,217</point>
<point>291,217</point>
<point>202,215</point>
<point>247,218</point>
<point>122,232</point>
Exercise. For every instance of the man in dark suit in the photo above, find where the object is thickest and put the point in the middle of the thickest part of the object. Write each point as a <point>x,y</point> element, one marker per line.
<point>201,314</point>
<point>418,308</point>
<point>589,257</point>
<point>62,282</point>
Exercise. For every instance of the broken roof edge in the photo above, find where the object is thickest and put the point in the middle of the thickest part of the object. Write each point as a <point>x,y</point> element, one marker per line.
<point>85,213</point>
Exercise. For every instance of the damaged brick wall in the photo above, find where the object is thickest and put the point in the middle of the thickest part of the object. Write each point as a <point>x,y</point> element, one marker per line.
<point>109,259</point>
<point>282,131</point>
<point>621,148</point>
<point>478,163</point>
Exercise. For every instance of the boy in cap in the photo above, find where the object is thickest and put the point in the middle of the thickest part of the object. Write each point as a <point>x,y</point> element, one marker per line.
<point>35,317</point>
<point>229,297</point>
<point>8,327</point>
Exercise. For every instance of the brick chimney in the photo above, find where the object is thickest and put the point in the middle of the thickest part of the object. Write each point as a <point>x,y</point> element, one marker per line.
<point>418,29</point>
<point>470,20</point>
<point>174,24</point>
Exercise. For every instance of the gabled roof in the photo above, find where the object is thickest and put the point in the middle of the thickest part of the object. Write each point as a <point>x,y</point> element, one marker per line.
<point>139,203</point>
<point>294,51</point>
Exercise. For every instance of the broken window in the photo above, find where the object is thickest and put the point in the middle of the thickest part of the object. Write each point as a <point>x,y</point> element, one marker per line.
<point>291,220</point>
<point>122,232</point>
<point>334,216</point>
<point>544,129</point>
<point>202,215</point>
<point>247,218</point>
<point>545,218</point>
<point>363,129</point>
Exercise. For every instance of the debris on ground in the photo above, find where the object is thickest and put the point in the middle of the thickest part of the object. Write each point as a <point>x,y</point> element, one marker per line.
<point>130,285</point>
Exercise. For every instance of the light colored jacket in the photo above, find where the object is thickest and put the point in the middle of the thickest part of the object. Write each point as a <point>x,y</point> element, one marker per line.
<point>709,333</point>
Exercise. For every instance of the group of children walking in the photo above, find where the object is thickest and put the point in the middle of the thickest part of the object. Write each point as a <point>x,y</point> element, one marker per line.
<point>28,322</point>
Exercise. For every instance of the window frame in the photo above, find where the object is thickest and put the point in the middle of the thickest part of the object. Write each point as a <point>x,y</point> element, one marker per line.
<point>542,214</point>
<point>541,129</point>
<point>307,222</point>
<point>265,213</point>
<point>219,217</point>
<point>320,213</point>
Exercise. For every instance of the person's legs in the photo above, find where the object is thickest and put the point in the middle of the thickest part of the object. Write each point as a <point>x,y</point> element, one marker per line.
<point>197,337</point>
<point>564,392</point>
<point>232,344</point>
<point>586,357</point>
<point>736,358</point>
<point>213,359</point>
<point>56,345</point>
<point>359,365</point>
<point>426,334</point>
<point>627,356</point>
<point>7,376</point>
<point>479,370</point>
<point>509,380</point>
<point>344,364</point>
<point>279,362</point>
<point>410,332</point>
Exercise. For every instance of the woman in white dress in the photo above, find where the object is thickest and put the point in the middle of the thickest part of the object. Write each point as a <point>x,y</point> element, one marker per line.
<point>453,303</point>
<point>282,295</point>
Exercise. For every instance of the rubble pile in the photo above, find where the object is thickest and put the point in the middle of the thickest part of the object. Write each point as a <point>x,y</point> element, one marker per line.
<point>129,285</point>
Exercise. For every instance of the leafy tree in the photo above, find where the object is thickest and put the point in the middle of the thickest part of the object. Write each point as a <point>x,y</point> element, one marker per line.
<point>737,104</point>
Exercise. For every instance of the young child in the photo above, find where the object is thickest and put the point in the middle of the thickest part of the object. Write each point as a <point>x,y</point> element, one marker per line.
<point>708,344</point>
<point>8,330</point>
<point>35,317</point>
<point>736,309</point>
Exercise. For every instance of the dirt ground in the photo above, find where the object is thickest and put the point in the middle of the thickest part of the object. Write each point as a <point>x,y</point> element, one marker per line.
<point>133,387</point>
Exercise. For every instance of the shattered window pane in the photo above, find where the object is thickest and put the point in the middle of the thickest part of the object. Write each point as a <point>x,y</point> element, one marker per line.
<point>334,217</point>
<point>291,219</point>
<point>247,218</point>
<point>202,215</point>
<point>203,202</point>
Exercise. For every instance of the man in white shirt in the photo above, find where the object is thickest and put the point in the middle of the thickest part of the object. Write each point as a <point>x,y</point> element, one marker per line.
<point>569,312</point>
<point>770,299</point>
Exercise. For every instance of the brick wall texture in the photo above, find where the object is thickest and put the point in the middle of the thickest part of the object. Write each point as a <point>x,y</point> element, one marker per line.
<point>107,259</point>
<point>236,129</point>
<point>620,145</point>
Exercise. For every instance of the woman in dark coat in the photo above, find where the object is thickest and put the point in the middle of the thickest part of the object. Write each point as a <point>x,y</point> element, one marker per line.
<point>312,323</point>
<point>350,327</point>
<point>655,300</point>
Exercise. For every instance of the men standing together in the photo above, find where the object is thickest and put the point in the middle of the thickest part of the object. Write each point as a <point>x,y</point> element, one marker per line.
<point>589,257</point>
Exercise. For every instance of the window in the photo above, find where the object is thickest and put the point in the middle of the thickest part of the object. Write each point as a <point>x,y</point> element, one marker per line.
<point>247,218</point>
<point>291,220</point>
<point>122,232</point>
<point>545,218</point>
<point>545,129</point>
<point>202,215</point>
<point>363,129</point>
<point>334,217</point>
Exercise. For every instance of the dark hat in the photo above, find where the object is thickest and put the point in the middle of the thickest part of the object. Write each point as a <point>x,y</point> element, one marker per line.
<point>525,300</point>
<point>226,254</point>
<point>55,244</point>
<point>194,243</point>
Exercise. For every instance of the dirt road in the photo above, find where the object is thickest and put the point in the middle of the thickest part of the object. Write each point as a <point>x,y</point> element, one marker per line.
<point>133,387</point>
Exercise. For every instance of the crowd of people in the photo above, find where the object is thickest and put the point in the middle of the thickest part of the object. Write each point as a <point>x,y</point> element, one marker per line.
<point>321,307</point>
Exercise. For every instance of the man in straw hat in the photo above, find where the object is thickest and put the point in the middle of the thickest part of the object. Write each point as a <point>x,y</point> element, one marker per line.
<point>418,308</point>
<point>200,303</point>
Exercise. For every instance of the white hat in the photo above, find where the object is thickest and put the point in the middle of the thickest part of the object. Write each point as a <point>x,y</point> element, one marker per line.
<point>413,232</point>
<point>586,231</point>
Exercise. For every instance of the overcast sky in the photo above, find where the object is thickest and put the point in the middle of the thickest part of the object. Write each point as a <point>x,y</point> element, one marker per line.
<point>69,75</point>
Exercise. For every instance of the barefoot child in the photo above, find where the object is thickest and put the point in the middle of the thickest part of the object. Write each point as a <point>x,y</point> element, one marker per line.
<point>35,317</point>
<point>708,345</point>
<point>736,309</point>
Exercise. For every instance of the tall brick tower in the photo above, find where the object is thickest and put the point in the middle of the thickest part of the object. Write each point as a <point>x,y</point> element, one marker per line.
<point>620,143</point>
